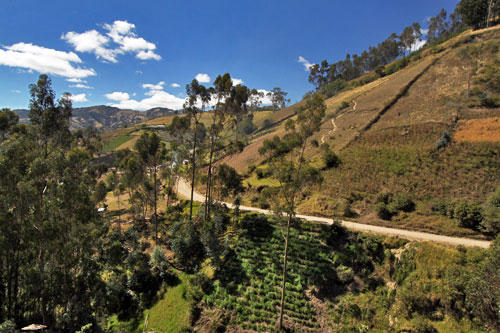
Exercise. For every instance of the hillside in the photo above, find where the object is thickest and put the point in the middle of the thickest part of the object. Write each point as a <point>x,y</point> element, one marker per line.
<point>105,117</point>
<point>386,133</point>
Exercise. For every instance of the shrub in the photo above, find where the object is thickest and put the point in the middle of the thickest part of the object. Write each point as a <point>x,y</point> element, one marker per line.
<point>403,203</point>
<point>383,211</point>
<point>385,197</point>
<point>443,141</point>
<point>347,210</point>
<point>345,274</point>
<point>468,214</point>
<point>344,105</point>
<point>330,159</point>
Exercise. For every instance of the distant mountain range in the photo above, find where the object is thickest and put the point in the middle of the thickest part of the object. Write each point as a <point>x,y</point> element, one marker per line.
<point>106,118</point>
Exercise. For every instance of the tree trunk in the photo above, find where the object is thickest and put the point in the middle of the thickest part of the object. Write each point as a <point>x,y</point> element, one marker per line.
<point>194,173</point>
<point>156,212</point>
<point>208,199</point>
<point>284,271</point>
<point>119,213</point>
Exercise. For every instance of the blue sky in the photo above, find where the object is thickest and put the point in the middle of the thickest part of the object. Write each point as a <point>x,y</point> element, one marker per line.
<point>141,54</point>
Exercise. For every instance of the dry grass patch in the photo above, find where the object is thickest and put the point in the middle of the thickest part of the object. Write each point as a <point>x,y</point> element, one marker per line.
<point>478,130</point>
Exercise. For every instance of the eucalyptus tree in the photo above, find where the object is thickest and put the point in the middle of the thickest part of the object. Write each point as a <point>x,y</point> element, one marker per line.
<point>8,120</point>
<point>49,226</point>
<point>294,173</point>
<point>191,127</point>
<point>277,97</point>
<point>151,151</point>
<point>230,106</point>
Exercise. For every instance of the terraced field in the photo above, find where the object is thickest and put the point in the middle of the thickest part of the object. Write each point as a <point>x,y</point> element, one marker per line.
<point>249,286</point>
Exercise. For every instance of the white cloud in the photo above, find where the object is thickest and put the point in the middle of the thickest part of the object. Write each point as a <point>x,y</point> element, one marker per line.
<point>121,34</point>
<point>265,100</point>
<point>43,60</point>
<point>424,31</point>
<point>175,85</point>
<point>138,72</point>
<point>118,96</point>
<point>305,62</point>
<point>91,42</point>
<point>202,78</point>
<point>79,98</point>
<point>16,91</point>
<point>236,81</point>
<point>158,86</point>
<point>81,86</point>
<point>156,99</point>
<point>146,55</point>
<point>417,45</point>
<point>76,80</point>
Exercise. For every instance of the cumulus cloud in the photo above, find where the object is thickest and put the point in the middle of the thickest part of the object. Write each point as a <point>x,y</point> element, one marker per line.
<point>118,96</point>
<point>202,78</point>
<point>158,86</point>
<point>417,45</point>
<point>16,91</point>
<point>156,99</point>
<point>81,86</point>
<point>91,42</point>
<point>121,34</point>
<point>305,62</point>
<point>175,85</point>
<point>76,80</point>
<point>265,100</point>
<point>236,81</point>
<point>79,98</point>
<point>43,60</point>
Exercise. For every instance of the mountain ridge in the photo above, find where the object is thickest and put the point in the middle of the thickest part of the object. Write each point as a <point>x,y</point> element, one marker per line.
<point>105,118</point>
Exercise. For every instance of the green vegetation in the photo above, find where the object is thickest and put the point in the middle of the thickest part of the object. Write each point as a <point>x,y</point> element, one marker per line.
<point>115,143</point>
<point>172,313</point>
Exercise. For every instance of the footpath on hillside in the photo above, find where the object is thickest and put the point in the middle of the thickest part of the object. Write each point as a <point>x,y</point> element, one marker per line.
<point>184,189</point>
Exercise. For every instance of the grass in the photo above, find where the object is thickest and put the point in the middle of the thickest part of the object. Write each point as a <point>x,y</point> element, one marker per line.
<point>478,130</point>
<point>114,143</point>
<point>172,313</point>
<point>253,181</point>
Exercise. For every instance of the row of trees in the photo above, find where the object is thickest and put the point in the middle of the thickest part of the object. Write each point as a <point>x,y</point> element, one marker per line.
<point>330,78</point>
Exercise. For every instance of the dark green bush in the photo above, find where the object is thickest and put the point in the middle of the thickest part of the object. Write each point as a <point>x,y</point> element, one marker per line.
<point>331,159</point>
<point>403,203</point>
<point>468,214</point>
<point>383,211</point>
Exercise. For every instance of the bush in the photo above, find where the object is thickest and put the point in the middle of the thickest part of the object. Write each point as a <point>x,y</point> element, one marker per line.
<point>345,274</point>
<point>403,203</point>
<point>443,141</point>
<point>385,197</point>
<point>8,327</point>
<point>347,210</point>
<point>468,214</point>
<point>344,105</point>
<point>383,211</point>
<point>330,159</point>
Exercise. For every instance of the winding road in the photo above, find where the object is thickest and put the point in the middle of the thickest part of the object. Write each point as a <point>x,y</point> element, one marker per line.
<point>184,189</point>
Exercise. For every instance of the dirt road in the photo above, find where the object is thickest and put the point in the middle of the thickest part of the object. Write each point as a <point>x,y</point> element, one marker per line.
<point>184,189</point>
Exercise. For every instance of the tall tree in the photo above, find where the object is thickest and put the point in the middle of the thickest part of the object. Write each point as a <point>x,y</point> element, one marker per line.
<point>198,99</point>
<point>277,97</point>
<point>292,170</point>
<point>474,12</point>
<point>8,120</point>
<point>152,150</point>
